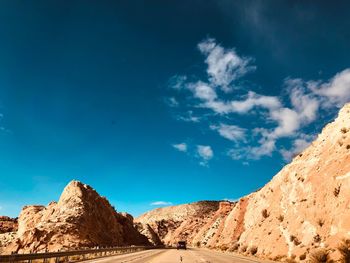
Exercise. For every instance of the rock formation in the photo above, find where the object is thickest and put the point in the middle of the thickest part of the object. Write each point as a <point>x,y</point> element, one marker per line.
<point>8,224</point>
<point>175,223</point>
<point>304,207</point>
<point>8,228</point>
<point>81,218</point>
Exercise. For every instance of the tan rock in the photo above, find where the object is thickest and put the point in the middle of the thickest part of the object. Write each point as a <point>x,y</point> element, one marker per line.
<point>8,224</point>
<point>81,218</point>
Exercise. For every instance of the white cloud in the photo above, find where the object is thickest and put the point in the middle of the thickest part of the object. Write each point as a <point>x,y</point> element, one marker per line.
<point>298,146</point>
<point>288,122</point>
<point>336,90</point>
<point>202,91</point>
<point>275,117</point>
<point>182,147</point>
<point>304,103</point>
<point>161,203</point>
<point>205,152</point>
<point>224,65</point>
<point>230,132</point>
<point>209,97</point>
<point>255,100</point>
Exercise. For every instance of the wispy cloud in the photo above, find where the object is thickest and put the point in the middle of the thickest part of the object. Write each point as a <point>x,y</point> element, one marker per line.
<point>161,203</point>
<point>280,117</point>
<point>182,147</point>
<point>335,91</point>
<point>205,153</point>
<point>298,146</point>
<point>188,117</point>
<point>230,132</point>
<point>172,102</point>
<point>224,65</point>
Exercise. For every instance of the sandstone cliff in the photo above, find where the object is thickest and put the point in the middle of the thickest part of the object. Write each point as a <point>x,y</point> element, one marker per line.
<point>81,218</point>
<point>304,207</point>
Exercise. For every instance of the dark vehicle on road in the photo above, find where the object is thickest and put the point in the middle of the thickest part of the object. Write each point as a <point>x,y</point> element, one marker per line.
<point>181,245</point>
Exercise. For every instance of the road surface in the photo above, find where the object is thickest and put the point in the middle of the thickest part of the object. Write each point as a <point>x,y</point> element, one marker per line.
<point>175,256</point>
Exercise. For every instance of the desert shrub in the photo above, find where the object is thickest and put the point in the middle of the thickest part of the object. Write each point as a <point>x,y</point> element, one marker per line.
<point>319,256</point>
<point>264,213</point>
<point>302,256</point>
<point>253,250</point>
<point>336,190</point>
<point>344,130</point>
<point>295,240</point>
<point>198,244</point>
<point>317,238</point>
<point>223,247</point>
<point>320,222</point>
<point>280,218</point>
<point>348,147</point>
<point>244,248</point>
<point>340,143</point>
<point>344,249</point>
<point>234,247</point>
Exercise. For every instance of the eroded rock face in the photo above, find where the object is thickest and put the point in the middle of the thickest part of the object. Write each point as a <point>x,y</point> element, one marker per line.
<point>175,223</point>
<point>305,206</point>
<point>81,218</point>
<point>8,224</point>
<point>8,228</point>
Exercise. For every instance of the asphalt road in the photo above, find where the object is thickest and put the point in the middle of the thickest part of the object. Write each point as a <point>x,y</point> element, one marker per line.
<point>175,256</point>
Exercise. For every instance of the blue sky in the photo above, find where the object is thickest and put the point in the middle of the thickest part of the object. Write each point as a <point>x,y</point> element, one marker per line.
<point>156,103</point>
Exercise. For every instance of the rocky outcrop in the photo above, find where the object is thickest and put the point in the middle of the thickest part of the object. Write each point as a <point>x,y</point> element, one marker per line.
<point>8,224</point>
<point>304,207</point>
<point>81,218</point>
<point>175,223</point>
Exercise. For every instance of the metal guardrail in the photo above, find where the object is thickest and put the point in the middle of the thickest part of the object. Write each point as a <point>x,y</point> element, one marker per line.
<point>63,256</point>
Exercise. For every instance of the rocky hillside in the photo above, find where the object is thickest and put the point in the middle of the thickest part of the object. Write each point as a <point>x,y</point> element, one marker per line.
<point>81,218</point>
<point>174,223</point>
<point>304,207</point>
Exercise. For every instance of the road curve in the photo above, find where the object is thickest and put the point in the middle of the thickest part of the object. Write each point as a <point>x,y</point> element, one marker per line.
<point>176,256</point>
